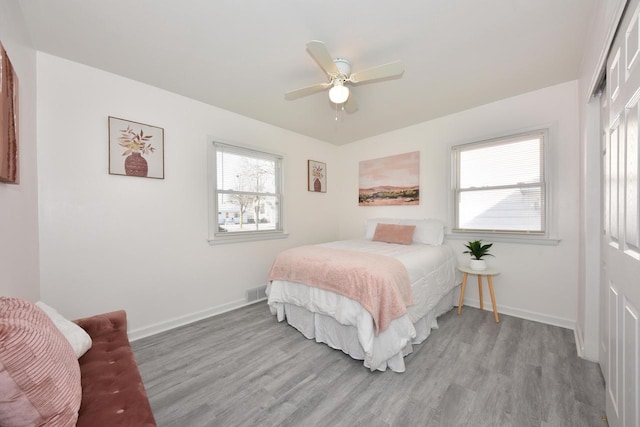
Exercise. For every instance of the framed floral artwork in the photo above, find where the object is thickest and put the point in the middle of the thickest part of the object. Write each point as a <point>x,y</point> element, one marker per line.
<point>8,120</point>
<point>317,176</point>
<point>135,149</point>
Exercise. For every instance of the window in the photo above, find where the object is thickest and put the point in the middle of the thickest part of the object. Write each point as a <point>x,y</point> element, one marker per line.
<point>246,194</point>
<point>500,185</point>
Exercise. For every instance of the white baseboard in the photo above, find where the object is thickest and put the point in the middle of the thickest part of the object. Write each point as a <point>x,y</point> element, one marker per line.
<point>525,314</point>
<point>146,331</point>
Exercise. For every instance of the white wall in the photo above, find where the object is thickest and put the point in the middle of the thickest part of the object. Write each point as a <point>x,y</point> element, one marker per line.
<point>538,282</point>
<point>110,242</point>
<point>19,270</point>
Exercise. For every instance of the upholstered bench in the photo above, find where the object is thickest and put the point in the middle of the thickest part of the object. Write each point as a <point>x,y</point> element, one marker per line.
<point>49,378</point>
<point>112,390</point>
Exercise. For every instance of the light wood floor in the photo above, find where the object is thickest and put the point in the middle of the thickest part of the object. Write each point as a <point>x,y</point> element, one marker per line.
<point>243,368</point>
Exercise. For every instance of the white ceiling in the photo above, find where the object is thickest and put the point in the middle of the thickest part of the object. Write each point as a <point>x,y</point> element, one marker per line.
<point>242,55</point>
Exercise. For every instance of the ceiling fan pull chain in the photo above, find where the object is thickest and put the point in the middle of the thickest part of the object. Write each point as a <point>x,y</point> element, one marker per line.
<point>339,112</point>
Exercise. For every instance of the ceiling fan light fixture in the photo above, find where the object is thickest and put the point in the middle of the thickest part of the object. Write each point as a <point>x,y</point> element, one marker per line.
<point>339,93</point>
<point>338,72</point>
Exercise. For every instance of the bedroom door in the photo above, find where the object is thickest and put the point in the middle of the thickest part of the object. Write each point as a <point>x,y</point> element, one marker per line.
<point>621,240</point>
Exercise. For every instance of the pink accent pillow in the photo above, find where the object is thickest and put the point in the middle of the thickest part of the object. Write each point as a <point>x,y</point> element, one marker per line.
<point>394,233</point>
<point>428,231</point>
<point>39,372</point>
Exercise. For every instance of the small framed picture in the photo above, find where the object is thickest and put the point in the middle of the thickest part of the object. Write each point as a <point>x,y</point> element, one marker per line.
<point>135,149</point>
<point>317,176</point>
<point>9,172</point>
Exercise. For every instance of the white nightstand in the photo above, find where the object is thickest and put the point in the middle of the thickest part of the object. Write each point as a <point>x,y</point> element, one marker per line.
<point>489,272</point>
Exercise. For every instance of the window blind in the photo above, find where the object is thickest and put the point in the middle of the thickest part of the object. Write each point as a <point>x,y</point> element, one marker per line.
<point>247,190</point>
<point>500,185</point>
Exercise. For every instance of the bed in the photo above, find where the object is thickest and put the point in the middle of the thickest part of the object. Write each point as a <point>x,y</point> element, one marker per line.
<point>380,339</point>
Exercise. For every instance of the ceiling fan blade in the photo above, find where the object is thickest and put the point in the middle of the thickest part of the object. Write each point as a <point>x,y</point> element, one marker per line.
<point>380,72</point>
<point>294,94</point>
<point>320,53</point>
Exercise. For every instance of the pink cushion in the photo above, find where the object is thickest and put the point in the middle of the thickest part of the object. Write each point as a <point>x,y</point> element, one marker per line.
<point>394,233</point>
<point>39,372</point>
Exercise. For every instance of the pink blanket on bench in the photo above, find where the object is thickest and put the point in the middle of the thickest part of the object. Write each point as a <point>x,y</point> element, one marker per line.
<point>379,283</point>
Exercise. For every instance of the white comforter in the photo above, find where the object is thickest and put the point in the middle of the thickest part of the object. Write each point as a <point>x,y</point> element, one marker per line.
<point>432,274</point>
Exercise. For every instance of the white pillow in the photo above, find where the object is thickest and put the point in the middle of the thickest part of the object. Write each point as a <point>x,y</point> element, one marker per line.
<point>78,338</point>
<point>428,231</point>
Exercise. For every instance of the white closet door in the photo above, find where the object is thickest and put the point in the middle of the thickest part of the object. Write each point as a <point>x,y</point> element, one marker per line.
<point>621,241</point>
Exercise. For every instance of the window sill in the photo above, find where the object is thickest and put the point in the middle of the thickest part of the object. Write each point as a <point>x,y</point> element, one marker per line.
<point>225,240</point>
<point>521,239</point>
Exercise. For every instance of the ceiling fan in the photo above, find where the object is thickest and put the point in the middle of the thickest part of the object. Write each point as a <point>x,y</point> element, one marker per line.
<point>339,74</point>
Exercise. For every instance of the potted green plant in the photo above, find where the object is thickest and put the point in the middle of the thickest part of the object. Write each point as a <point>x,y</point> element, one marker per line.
<point>477,251</point>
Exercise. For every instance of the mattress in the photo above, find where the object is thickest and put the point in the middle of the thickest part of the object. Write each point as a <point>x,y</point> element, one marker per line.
<point>344,324</point>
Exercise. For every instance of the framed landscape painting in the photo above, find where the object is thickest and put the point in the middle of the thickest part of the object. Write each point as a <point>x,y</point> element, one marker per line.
<point>393,180</point>
<point>135,149</point>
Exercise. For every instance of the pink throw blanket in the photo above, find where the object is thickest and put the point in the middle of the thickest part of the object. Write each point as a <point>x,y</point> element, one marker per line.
<point>379,283</point>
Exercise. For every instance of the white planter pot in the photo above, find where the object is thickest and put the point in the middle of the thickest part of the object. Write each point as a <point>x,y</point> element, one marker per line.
<point>477,264</point>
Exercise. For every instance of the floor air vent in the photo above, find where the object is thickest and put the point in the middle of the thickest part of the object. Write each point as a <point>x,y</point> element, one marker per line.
<point>256,294</point>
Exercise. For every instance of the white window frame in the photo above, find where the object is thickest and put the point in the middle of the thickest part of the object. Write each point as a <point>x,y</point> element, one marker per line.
<point>216,237</point>
<point>548,237</point>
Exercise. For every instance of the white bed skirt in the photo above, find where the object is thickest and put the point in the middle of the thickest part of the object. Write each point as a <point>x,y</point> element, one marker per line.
<point>325,329</point>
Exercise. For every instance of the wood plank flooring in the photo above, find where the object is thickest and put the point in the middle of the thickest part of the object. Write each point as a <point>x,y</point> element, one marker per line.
<point>243,368</point>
